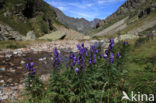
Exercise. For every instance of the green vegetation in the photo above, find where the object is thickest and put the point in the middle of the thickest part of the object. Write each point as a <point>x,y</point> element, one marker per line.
<point>26,15</point>
<point>100,82</point>
<point>12,44</point>
<point>142,67</point>
<point>17,44</point>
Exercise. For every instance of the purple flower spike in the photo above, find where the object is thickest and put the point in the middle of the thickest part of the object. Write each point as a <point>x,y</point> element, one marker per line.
<point>124,43</point>
<point>79,46</point>
<point>71,56</point>
<point>30,68</point>
<point>57,58</point>
<point>82,45</point>
<point>118,55</point>
<point>94,61</point>
<point>112,41</point>
<point>31,64</point>
<point>90,61</point>
<point>106,52</point>
<point>111,58</point>
<point>105,56</point>
<point>76,70</point>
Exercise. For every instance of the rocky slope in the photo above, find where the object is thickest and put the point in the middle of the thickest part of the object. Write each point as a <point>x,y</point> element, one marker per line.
<point>133,10</point>
<point>20,17</point>
<point>24,16</point>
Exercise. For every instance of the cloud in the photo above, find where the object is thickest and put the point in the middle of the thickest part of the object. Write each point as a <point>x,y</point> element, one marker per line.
<point>108,1</point>
<point>61,8</point>
<point>88,9</point>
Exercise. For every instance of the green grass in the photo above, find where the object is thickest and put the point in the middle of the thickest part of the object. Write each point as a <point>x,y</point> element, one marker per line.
<point>17,44</point>
<point>139,78</point>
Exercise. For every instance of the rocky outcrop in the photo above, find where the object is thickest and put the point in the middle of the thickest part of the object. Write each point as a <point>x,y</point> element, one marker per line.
<point>95,22</point>
<point>7,33</point>
<point>30,35</point>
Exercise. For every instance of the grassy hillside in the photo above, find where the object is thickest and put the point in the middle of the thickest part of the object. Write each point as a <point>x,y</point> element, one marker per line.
<point>26,15</point>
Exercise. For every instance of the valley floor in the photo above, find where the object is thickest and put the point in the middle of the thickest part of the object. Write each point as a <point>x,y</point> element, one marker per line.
<point>13,70</point>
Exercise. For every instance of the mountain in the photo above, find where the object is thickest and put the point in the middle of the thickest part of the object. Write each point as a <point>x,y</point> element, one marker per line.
<point>28,19</point>
<point>19,17</point>
<point>133,17</point>
<point>80,25</point>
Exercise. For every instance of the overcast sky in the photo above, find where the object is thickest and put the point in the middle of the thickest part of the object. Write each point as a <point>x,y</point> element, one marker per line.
<point>88,9</point>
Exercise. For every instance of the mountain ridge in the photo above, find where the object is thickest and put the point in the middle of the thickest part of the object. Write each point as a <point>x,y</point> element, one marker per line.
<point>135,10</point>
<point>79,24</point>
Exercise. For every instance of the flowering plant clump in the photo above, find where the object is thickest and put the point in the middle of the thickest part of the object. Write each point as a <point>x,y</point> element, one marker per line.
<point>34,85</point>
<point>30,68</point>
<point>88,74</point>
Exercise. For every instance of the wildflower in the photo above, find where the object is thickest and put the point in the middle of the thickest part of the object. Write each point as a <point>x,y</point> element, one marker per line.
<point>79,46</point>
<point>71,55</point>
<point>118,55</point>
<point>106,52</point>
<point>111,58</point>
<point>30,68</point>
<point>82,45</point>
<point>76,70</point>
<point>90,62</point>
<point>105,56</point>
<point>57,58</point>
<point>94,61</point>
<point>124,43</point>
<point>111,45</point>
<point>112,41</point>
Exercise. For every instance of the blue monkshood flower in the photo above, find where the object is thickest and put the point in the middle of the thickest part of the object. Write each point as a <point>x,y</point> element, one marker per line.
<point>124,43</point>
<point>105,56</point>
<point>94,56</point>
<point>79,46</point>
<point>86,53</point>
<point>56,52</point>
<point>94,61</point>
<point>118,55</point>
<point>32,72</point>
<point>90,62</point>
<point>106,52</point>
<point>78,62</point>
<point>76,70</point>
<point>96,50</point>
<point>57,58</point>
<point>82,45</point>
<point>112,41</point>
<point>110,47</point>
<point>30,68</point>
<point>71,56</point>
<point>112,58</point>
<point>74,58</point>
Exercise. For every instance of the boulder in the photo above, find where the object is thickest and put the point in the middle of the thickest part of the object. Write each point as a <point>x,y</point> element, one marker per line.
<point>30,35</point>
<point>57,35</point>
